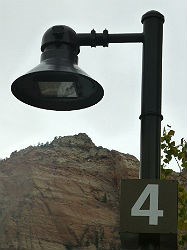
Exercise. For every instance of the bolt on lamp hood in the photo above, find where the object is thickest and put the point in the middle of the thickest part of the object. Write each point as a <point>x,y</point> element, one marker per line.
<point>57,83</point>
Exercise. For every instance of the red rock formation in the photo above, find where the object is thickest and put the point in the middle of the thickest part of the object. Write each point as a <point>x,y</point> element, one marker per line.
<point>62,195</point>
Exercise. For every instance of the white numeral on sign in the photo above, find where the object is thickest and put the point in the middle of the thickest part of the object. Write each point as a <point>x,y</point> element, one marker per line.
<point>153,213</point>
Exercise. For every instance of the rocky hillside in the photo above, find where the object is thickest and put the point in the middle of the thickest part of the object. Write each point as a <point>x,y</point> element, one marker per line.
<point>62,195</point>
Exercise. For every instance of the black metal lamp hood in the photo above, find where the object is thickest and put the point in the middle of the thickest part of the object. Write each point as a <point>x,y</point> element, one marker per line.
<point>57,83</point>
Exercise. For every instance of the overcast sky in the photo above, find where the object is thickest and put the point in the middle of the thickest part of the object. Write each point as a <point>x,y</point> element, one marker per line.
<point>112,123</point>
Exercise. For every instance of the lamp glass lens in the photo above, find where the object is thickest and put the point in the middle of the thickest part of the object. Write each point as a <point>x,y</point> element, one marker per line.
<point>58,89</point>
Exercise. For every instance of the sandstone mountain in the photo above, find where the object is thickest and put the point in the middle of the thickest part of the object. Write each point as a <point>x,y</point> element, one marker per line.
<point>62,195</point>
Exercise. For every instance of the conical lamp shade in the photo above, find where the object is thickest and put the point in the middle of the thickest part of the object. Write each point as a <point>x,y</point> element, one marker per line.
<point>57,84</point>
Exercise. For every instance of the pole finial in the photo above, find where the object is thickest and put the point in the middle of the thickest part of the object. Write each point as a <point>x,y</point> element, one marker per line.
<point>152,13</point>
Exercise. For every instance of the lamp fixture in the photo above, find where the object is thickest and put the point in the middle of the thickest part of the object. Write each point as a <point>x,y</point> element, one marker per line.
<point>57,83</point>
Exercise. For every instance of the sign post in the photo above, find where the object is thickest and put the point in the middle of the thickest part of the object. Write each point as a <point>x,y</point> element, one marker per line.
<point>149,206</point>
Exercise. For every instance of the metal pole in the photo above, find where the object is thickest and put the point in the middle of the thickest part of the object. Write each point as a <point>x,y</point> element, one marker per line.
<point>151,107</point>
<point>151,95</point>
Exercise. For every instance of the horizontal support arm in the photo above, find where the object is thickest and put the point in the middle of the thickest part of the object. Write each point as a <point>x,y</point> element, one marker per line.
<point>94,39</point>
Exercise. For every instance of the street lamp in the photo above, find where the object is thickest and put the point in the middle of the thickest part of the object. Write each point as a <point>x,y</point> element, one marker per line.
<point>57,83</point>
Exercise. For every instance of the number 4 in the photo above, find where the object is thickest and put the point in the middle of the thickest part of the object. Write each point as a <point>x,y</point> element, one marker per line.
<point>153,213</point>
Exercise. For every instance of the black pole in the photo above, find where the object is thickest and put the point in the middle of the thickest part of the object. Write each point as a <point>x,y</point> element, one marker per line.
<point>151,95</point>
<point>151,107</point>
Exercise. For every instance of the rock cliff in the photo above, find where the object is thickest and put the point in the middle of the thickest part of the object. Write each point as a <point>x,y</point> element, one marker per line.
<point>62,195</point>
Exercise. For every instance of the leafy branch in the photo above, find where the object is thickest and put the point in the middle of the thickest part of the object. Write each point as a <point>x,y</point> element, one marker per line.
<point>179,153</point>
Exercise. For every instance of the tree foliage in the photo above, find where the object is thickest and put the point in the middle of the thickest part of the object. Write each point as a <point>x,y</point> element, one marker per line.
<point>177,152</point>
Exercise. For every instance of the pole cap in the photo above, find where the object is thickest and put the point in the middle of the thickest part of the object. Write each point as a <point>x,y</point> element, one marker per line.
<point>152,13</point>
